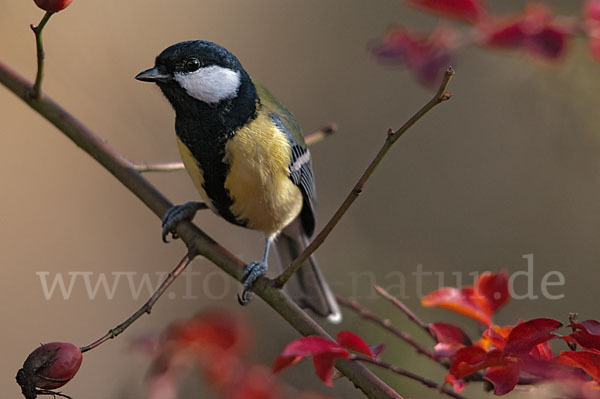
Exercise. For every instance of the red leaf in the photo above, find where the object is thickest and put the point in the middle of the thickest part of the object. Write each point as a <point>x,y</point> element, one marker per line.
<point>255,383</point>
<point>471,359</point>
<point>506,35</point>
<point>494,336</point>
<point>353,342</point>
<point>323,364</point>
<point>549,43</point>
<point>525,336</point>
<point>591,17</point>
<point>283,362</point>
<point>449,333</point>
<point>325,352</point>
<point>587,334</point>
<point>312,345</point>
<point>542,352</point>
<point>504,378</point>
<point>446,350</point>
<point>535,32</point>
<point>591,326</point>
<point>585,360</point>
<point>584,340</point>
<point>591,11</point>
<point>548,369</point>
<point>457,384</point>
<point>208,331</point>
<point>479,302</point>
<point>426,55</point>
<point>459,301</point>
<point>465,10</point>
<point>493,287</point>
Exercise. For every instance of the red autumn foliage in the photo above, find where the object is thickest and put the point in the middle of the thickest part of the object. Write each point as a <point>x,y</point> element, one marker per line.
<point>427,56</point>
<point>467,10</point>
<point>215,343</point>
<point>324,352</point>
<point>591,19</point>
<point>584,360</point>
<point>536,32</point>
<point>353,342</point>
<point>506,354</point>
<point>586,334</point>
<point>52,5</point>
<point>478,302</point>
<point>525,336</point>
<point>591,11</point>
<point>449,337</point>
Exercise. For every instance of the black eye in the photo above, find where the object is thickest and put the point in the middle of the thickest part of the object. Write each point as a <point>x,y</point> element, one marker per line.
<point>192,65</point>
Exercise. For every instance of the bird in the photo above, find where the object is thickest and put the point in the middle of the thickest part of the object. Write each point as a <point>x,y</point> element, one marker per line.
<point>246,155</point>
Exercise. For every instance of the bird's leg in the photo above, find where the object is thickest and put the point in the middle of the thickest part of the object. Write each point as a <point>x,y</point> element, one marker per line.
<point>177,214</point>
<point>253,271</point>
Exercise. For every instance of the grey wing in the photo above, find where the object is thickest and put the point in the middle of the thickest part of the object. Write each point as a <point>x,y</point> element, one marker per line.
<point>301,174</point>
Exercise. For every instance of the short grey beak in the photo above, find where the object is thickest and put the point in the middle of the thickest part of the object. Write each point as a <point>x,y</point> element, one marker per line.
<point>152,75</point>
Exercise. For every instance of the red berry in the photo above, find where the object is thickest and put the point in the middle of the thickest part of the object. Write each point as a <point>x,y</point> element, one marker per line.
<point>52,5</point>
<point>49,366</point>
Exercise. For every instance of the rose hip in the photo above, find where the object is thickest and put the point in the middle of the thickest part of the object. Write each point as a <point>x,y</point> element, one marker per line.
<point>49,366</point>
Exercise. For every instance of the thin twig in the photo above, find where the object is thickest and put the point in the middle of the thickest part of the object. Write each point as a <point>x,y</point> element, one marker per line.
<point>52,393</point>
<point>193,237</point>
<point>37,30</point>
<point>146,307</point>
<point>310,139</point>
<point>411,315</point>
<point>391,138</point>
<point>321,134</point>
<point>387,325</point>
<point>144,167</point>
<point>400,371</point>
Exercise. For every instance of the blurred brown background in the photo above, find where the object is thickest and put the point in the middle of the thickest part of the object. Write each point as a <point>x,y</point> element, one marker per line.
<point>509,167</point>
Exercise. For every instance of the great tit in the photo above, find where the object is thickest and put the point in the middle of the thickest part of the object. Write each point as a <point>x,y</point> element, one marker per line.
<point>246,155</point>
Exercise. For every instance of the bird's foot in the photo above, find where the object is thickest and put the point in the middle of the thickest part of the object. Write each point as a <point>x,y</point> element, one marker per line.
<point>253,271</point>
<point>177,214</point>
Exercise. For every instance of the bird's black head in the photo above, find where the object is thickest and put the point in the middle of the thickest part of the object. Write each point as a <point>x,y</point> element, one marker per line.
<point>200,77</point>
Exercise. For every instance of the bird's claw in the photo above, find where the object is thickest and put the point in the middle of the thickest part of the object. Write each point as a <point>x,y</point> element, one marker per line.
<point>253,271</point>
<point>175,215</point>
<point>245,297</point>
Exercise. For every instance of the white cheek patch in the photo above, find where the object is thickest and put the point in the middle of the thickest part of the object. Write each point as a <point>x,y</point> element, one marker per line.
<point>211,84</point>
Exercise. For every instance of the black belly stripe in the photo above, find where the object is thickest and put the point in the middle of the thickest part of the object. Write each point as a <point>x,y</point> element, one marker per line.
<point>209,155</point>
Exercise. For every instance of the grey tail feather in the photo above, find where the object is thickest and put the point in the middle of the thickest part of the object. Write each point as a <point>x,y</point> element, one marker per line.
<point>308,288</point>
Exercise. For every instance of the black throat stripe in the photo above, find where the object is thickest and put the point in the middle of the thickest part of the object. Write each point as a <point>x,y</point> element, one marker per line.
<point>209,153</point>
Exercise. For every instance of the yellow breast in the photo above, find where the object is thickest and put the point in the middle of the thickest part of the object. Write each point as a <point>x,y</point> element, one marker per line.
<point>263,194</point>
<point>258,183</point>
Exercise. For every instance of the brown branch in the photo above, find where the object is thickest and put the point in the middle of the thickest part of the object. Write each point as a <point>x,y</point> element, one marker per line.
<point>400,371</point>
<point>146,307</point>
<point>391,138</point>
<point>310,139</point>
<point>197,241</point>
<point>387,325</point>
<point>413,317</point>
<point>41,55</point>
